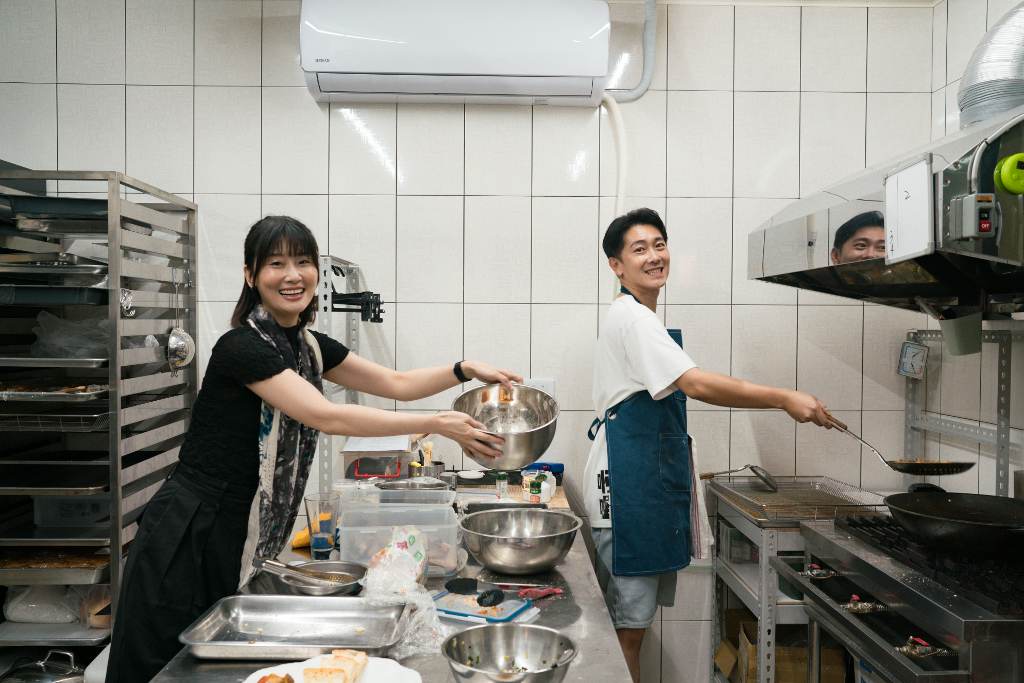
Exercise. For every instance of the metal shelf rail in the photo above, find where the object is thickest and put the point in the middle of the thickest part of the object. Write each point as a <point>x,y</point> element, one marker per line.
<point>151,245</point>
<point>356,306</point>
<point>917,422</point>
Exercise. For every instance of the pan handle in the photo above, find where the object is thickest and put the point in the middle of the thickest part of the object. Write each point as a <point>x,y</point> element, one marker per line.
<point>837,423</point>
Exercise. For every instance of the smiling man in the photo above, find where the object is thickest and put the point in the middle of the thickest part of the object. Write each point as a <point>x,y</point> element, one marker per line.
<point>637,478</point>
<point>859,239</point>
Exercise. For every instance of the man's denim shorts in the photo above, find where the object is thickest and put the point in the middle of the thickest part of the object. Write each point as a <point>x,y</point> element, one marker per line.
<point>632,600</point>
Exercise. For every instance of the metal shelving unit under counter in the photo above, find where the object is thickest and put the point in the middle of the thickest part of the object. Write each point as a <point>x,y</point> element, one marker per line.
<point>87,439</point>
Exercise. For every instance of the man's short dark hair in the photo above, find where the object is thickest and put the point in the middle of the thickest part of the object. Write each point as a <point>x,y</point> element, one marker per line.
<point>615,235</point>
<point>868,219</point>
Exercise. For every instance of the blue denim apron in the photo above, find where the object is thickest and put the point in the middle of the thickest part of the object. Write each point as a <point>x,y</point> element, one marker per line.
<point>649,465</point>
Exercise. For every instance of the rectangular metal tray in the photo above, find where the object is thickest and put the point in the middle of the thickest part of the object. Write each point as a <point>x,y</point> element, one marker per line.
<point>293,627</point>
<point>19,360</point>
<point>54,396</point>
<point>41,295</point>
<point>798,498</point>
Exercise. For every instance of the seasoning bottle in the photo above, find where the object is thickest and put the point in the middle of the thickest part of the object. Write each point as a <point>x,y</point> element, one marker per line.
<point>501,484</point>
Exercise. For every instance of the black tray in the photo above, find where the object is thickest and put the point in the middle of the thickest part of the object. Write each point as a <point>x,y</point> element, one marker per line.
<point>40,295</point>
<point>480,507</point>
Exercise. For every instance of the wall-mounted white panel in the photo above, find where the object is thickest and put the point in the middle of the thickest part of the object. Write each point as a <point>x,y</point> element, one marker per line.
<point>767,48</point>
<point>159,134</point>
<point>833,49</point>
<point>228,42</point>
<point>227,140</point>
<point>159,39</point>
<point>699,144</point>
<point>90,41</point>
<point>431,149</point>
<point>28,41</point>
<point>498,149</point>
<point>362,230</point>
<point>563,265</point>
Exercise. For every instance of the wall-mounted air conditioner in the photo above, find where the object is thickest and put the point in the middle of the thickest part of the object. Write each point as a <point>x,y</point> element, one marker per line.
<point>474,51</point>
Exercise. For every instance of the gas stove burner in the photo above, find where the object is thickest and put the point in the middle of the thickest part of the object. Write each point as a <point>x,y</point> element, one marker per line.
<point>996,585</point>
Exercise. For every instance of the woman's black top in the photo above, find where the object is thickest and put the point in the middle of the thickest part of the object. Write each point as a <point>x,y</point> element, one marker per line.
<point>223,437</point>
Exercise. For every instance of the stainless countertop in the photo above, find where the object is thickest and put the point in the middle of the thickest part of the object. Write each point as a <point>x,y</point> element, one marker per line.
<point>579,612</point>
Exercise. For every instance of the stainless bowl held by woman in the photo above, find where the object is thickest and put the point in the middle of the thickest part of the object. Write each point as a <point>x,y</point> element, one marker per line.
<point>523,416</point>
<point>519,541</point>
<point>510,653</point>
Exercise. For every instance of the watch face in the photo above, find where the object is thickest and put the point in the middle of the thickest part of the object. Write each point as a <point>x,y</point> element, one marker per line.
<point>913,360</point>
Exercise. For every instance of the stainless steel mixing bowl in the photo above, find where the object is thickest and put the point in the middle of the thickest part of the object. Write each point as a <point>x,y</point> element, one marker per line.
<point>353,569</point>
<point>523,416</point>
<point>519,541</point>
<point>510,653</point>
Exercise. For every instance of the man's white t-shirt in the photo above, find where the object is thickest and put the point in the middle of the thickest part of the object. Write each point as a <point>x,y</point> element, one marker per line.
<point>634,353</point>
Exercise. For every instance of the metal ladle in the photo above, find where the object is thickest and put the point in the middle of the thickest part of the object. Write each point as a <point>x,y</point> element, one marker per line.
<point>181,347</point>
<point>930,468</point>
<point>759,472</point>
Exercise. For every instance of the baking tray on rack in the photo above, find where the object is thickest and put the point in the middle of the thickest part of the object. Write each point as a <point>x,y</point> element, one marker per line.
<point>798,498</point>
<point>47,391</point>
<point>52,566</point>
<point>71,479</point>
<point>41,295</point>
<point>292,627</point>
<point>24,360</point>
<point>27,534</point>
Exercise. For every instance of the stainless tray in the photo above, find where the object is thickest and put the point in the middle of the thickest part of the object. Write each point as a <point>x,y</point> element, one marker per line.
<point>55,396</point>
<point>48,576</point>
<point>26,361</point>
<point>293,627</point>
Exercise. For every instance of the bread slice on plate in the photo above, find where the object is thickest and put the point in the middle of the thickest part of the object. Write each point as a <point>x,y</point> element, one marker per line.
<point>357,655</point>
<point>325,676</point>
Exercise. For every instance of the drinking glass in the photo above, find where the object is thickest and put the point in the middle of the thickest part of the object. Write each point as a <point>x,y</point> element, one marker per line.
<point>321,516</point>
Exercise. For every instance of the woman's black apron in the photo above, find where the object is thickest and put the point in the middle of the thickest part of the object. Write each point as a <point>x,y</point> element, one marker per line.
<point>185,556</point>
<point>649,482</point>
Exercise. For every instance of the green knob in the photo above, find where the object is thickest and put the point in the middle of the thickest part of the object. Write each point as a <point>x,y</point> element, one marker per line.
<point>1012,173</point>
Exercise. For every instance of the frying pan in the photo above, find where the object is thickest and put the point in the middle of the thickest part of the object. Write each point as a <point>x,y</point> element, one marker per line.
<point>961,523</point>
<point>759,472</point>
<point>927,467</point>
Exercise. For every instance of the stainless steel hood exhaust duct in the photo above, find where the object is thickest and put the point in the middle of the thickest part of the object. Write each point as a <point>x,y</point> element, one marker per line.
<point>953,240</point>
<point>993,82</point>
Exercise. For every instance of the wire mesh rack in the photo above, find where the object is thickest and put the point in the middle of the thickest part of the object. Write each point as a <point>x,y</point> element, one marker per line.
<point>800,498</point>
<point>67,420</point>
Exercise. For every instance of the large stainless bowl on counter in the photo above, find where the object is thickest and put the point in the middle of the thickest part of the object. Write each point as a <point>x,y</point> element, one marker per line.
<point>510,653</point>
<point>519,541</point>
<point>523,416</point>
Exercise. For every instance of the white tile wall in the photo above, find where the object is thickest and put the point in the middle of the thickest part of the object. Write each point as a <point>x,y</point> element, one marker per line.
<point>28,28</point>
<point>28,119</point>
<point>700,47</point>
<point>833,49</point>
<point>700,127</point>
<point>997,9</point>
<point>896,123</point>
<point>566,146</point>
<point>159,42</point>
<point>767,48</point>
<point>431,149</point>
<point>766,153</point>
<point>158,136</point>
<point>363,149</point>
<point>467,217</point>
<point>90,41</point>
<point>832,129</point>
<point>900,35</point>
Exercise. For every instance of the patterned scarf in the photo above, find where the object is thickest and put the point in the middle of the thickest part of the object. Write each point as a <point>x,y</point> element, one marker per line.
<point>287,448</point>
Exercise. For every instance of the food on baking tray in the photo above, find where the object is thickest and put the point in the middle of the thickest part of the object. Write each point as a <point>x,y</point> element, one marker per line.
<point>50,558</point>
<point>10,387</point>
<point>922,461</point>
<point>342,666</point>
<point>274,678</point>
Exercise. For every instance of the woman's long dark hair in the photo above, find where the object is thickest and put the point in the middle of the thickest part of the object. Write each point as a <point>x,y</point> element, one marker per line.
<point>273,234</point>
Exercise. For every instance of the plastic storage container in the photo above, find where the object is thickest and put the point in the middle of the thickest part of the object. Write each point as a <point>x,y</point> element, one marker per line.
<point>410,497</point>
<point>364,531</point>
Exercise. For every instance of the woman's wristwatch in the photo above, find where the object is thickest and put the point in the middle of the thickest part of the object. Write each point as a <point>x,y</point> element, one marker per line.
<point>459,374</point>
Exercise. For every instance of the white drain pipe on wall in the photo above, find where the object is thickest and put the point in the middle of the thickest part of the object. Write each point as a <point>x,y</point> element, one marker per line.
<point>993,81</point>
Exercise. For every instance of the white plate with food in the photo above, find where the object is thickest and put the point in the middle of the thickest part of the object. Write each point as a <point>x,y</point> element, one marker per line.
<point>343,666</point>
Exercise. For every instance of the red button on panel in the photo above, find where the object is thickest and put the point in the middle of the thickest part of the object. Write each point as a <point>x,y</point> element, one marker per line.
<point>985,226</point>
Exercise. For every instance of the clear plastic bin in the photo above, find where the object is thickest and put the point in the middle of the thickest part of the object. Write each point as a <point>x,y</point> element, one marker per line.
<point>410,497</point>
<point>364,531</point>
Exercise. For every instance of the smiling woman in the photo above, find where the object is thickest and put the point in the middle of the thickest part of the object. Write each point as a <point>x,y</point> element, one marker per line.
<point>246,457</point>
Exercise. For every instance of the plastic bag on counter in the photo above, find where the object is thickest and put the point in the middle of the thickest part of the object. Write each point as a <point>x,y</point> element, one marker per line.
<point>57,338</point>
<point>38,605</point>
<point>87,601</point>
<point>394,577</point>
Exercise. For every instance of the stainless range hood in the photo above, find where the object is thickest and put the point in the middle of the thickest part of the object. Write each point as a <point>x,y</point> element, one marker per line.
<point>970,252</point>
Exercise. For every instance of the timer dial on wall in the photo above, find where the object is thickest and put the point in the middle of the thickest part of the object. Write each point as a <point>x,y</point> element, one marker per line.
<point>913,358</point>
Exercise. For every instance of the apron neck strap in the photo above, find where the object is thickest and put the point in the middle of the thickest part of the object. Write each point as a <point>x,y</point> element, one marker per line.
<point>626,291</point>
